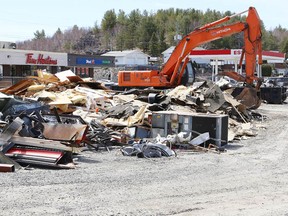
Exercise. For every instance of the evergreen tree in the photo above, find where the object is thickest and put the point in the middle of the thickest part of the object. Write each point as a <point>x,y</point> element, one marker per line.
<point>58,32</point>
<point>153,45</point>
<point>108,26</point>
<point>39,35</point>
<point>121,30</point>
<point>109,20</point>
<point>146,29</point>
<point>284,47</point>
<point>132,32</point>
<point>269,41</point>
<point>162,45</point>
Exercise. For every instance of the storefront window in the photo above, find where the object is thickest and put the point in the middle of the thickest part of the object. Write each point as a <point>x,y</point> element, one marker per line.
<point>26,70</point>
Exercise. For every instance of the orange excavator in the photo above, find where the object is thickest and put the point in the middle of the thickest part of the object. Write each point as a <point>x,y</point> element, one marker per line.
<point>172,72</point>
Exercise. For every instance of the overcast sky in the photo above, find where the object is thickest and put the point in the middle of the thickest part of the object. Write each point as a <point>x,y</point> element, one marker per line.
<point>20,19</point>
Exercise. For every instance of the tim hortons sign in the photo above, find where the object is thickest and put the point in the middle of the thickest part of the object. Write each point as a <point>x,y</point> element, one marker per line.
<point>40,59</point>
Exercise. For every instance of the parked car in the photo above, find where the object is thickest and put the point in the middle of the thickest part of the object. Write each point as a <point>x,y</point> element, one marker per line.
<point>276,81</point>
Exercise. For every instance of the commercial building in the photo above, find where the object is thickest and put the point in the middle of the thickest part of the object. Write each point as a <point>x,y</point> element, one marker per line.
<point>7,45</point>
<point>84,65</point>
<point>19,63</point>
<point>128,57</point>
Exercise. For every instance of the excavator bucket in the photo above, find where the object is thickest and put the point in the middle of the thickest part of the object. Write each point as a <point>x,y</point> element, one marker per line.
<point>250,97</point>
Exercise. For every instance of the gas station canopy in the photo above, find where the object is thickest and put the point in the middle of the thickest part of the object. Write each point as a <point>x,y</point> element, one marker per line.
<point>235,54</point>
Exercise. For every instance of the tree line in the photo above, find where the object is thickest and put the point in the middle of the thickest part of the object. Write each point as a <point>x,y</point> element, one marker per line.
<point>150,32</point>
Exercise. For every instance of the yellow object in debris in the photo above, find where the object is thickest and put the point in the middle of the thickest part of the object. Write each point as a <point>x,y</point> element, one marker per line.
<point>36,88</point>
<point>78,99</point>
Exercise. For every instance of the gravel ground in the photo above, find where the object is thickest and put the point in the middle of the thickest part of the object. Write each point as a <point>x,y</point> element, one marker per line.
<point>251,178</point>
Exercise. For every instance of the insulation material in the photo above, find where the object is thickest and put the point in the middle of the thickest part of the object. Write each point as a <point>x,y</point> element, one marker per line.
<point>180,92</point>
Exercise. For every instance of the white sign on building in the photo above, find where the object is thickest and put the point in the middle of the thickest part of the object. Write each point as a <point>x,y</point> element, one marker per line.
<point>29,57</point>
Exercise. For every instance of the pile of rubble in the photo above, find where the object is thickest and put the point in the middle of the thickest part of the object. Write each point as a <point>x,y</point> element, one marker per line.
<point>45,119</point>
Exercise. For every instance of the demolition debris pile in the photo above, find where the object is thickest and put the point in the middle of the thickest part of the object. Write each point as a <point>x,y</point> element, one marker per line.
<point>45,119</point>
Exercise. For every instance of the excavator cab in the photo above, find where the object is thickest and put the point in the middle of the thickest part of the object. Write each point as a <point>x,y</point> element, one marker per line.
<point>189,74</point>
